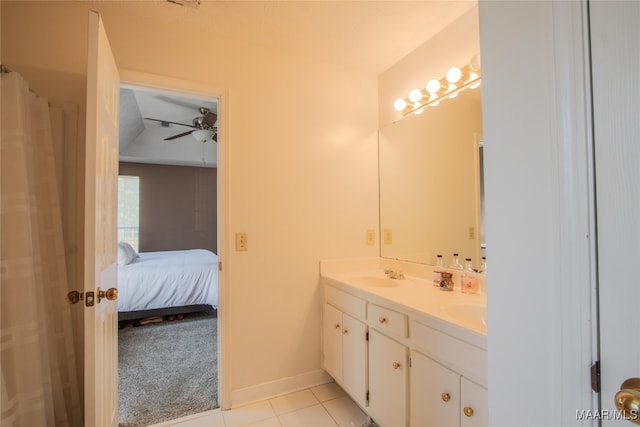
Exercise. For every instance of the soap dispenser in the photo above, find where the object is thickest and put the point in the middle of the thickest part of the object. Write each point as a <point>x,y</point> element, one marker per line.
<point>469,283</point>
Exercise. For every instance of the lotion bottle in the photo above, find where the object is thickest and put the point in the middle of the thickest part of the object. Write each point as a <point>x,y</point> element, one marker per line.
<point>469,283</point>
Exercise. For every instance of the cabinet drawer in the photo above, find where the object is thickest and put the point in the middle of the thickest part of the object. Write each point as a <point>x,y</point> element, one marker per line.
<point>346,302</point>
<point>388,320</point>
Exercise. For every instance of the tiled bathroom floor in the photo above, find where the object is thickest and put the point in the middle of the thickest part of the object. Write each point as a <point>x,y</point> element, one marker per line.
<point>322,406</point>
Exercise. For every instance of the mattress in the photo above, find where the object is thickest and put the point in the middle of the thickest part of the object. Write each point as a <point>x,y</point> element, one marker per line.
<point>168,279</point>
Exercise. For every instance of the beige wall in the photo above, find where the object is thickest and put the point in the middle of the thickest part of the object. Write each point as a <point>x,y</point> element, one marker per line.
<point>178,206</point>
<point>302,161</point>
<point>452,47</point>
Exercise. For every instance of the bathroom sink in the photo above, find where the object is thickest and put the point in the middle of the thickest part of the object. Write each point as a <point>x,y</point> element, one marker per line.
<point>467,314</point>
<point>375,281</point>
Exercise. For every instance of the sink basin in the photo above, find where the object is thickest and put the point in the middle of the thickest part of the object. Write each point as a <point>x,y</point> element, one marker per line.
<point>473,315</point>
<point>375,281</point>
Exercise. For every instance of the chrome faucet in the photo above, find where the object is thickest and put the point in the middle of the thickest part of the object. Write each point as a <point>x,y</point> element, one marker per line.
<point>394,274</point>
<point>446,281</point>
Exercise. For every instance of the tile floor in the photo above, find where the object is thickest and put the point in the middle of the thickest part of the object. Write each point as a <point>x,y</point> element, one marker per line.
<point>323,406</point>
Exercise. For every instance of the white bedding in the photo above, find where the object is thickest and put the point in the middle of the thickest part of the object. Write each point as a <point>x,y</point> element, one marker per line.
<point>168,279</point>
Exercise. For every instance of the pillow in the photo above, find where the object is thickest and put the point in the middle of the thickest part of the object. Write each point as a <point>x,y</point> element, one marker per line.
<point>126,253</point>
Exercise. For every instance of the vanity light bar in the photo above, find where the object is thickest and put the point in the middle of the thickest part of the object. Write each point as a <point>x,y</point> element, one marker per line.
<point>455,81</point>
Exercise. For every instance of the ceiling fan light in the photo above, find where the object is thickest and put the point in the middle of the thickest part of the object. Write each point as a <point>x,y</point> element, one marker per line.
<point>202,135</point>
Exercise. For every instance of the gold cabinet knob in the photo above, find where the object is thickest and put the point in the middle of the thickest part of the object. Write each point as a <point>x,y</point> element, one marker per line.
<point>468,411</point>
<point>395,365</point>
<point>73,297</point>
<point>345,332</point>
<point>337,326</point>
<point>628,400</point>
<point>382,319</point>
<point>445,396</point>
<point>110,294</point>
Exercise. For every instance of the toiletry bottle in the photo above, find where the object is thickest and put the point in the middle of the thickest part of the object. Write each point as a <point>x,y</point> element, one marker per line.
<point>437,271</point>
<point>456,263</point>
<point>469,283</point>
<point>483,265</point>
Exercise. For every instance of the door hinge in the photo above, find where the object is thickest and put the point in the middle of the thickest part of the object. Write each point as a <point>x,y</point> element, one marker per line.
<point>367,336</point>
<point>595,376</point>
<point>219,265</point>
<point>410,362</point>
<point>367,395</point>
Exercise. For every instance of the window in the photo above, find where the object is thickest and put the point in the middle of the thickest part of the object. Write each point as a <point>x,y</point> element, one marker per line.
<point>129,210</point>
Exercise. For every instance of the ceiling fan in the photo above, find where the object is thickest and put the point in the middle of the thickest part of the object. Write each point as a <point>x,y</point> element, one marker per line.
<point>204,127</point>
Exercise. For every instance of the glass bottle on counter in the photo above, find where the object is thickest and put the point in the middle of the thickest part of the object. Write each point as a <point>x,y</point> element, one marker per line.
<point>456,263</point>
<point>469,282</point>
<point>483,265</point>
<point>437,271</point>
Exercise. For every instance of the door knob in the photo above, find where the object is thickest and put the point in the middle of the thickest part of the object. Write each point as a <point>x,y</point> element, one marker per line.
<point>628,400</point>
<point>110,294</point>
<point>73,297</point>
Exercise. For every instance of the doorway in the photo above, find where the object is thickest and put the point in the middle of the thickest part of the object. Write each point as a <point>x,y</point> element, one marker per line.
<point>168,167</point>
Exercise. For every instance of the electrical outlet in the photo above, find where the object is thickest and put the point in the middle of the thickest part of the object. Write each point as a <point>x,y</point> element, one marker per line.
<point>472,233</point>
<point>388,236</point>
<point>241,242</point>
<point>371,237</point>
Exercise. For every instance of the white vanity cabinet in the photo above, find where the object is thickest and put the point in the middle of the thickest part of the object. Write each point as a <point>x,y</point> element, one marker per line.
<point>403,365</point>
<point>345,342</point>
<point>442,397</point>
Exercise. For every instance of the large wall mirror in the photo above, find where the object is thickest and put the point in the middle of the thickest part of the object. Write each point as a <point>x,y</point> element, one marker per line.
<point>430,186</point>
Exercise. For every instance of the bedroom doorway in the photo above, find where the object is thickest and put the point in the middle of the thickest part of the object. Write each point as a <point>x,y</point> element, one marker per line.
<point>168,223</point>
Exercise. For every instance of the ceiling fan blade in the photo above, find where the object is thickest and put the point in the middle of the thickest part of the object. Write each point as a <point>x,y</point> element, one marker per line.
<point>167,121</point>
<point>180,135</point>
<point>210,118</point>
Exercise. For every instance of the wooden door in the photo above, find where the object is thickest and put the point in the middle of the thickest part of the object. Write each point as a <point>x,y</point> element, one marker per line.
<point>332,342</point>
<point>387,381</point>
<point>101,174</point>
<point>354,358</point>
<point>435,393</point>
<point>473,404</point>
<point>615,58</point>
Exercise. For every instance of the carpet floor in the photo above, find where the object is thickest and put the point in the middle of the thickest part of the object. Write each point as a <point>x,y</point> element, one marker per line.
<point>167,370</point>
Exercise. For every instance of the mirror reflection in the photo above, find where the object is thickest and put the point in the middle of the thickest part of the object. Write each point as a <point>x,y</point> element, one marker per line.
<point>430,189</point>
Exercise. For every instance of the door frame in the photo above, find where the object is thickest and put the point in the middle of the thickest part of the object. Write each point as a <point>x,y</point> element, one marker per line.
<point>191,88</point>
<point>575,197</point>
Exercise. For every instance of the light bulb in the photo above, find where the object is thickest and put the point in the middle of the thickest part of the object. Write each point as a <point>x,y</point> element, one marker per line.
<point>399,104</point>
<point>454,74</point>
<point>415,95</point>
<point>433,86</point>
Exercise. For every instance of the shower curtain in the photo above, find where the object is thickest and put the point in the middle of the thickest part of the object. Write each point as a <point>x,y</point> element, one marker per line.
<point>39,379</point>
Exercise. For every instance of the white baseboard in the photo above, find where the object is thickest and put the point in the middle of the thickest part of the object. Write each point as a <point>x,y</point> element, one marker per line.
<point>278,387</point>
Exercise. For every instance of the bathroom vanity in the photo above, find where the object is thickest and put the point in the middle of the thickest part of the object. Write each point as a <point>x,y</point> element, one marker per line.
<point>406,352</point>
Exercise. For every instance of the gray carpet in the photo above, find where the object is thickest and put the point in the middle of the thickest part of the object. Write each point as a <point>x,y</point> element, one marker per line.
<point>167,370</point>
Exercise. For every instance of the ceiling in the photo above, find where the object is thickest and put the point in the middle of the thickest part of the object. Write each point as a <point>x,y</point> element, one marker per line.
<point>369,36</point>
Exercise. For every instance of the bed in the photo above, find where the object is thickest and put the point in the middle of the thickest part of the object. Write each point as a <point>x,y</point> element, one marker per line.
<point>167,282</point>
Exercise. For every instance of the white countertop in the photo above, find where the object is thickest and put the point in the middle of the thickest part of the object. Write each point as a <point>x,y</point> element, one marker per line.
<point>417,296</point>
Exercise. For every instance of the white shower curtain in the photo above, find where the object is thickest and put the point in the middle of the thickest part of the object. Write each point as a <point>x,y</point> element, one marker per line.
<point>39,379</point>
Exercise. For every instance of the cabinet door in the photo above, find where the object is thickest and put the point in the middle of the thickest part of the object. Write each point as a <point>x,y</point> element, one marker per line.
<point>435,393</point>
<point>332,342</point>
<point>387,381</point>
<point>473,404</point>
<point>354,357</point>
